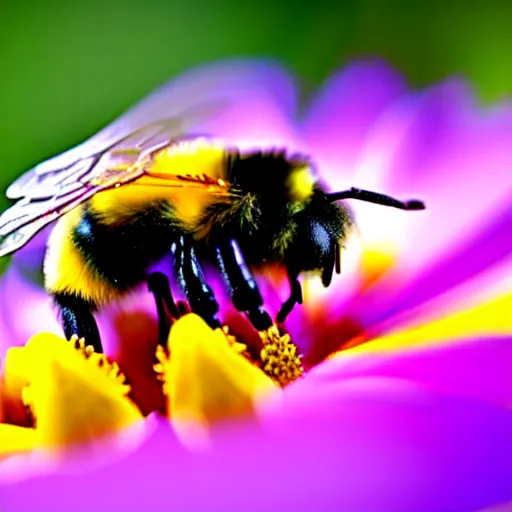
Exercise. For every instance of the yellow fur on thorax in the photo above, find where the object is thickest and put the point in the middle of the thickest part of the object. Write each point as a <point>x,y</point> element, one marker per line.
<point>301,183</point>
<point>65,269</point>
<point>191,157</point>
<point>164,181</point>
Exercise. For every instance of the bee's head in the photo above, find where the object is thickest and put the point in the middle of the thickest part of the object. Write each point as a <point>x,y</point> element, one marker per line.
<point>321,226</point>
<point>320,229</point>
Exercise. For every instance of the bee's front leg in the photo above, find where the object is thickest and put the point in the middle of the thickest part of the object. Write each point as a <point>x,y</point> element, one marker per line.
<point>166,308</point>
<point>294,298</point>
<point>191,277</point>
<point>244,291</point>
<point>77,319</point>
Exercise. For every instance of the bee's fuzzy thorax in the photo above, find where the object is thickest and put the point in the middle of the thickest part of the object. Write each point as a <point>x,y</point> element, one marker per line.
<point>272,174</point>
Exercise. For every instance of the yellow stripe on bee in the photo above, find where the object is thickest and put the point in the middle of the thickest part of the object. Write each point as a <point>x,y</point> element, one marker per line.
<point>194,157</point>
<point>300,183</point>
<point>118,205</point>
<point>161,182</point>
<point>65,269</point>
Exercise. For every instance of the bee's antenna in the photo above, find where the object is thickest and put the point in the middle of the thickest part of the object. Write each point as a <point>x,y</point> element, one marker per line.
<point>374,197</point>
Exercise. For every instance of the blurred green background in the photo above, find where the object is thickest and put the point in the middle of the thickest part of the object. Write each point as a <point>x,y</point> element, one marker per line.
<point>68,68</point>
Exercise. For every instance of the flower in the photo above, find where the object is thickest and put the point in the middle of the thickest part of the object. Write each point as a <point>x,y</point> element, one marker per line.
<point>411,408</point>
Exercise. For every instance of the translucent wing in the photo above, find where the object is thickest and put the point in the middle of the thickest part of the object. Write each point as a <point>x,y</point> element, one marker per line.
<point>49,195</point>
<point>111,156</point>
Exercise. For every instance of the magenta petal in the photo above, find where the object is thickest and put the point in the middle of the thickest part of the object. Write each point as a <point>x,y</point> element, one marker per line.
<point>342,114</point>
<point>24,309</point>
<point>487,287</point>
<point>444,143</point>
<point>374,444</point>
<point>491,245</point>
<point>477,368</point>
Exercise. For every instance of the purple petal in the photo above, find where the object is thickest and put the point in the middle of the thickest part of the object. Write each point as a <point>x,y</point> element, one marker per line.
<point>439,147</point>
<point>489,246</point>
<point>489,285</point>
<point>476,368</point>
<point>342,114</point>
<point>24,310</point>
<point>371,444</point>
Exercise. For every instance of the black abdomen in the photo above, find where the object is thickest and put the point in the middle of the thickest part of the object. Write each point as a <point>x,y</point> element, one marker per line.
<point>121,252</point>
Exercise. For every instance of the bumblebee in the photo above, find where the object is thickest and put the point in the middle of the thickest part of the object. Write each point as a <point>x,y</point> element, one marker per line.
<point>122,205</point>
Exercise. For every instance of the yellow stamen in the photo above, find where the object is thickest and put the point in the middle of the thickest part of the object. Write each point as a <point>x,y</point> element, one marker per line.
<point>110,368</point>
<point>162,368</point>
<point>207,380</point>
<point>279,357</point>
<point>239,348</point>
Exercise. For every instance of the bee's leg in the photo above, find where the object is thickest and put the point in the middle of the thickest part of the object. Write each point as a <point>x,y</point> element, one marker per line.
<point>243,288</point>
<point>77,318</point>
<point>294,298</point>
<point>329,267</point>
<point>333,263</point>
<point>190,274</point>
<point>167,310</point>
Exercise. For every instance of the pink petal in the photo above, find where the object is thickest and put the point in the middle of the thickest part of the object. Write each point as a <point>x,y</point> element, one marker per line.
<point>433,146</point>
<point>371,444</point>
<point>24,310</point>
<point>343,113</point>
<point>418,305</point>
<point>459,162</point>
<point>476,368</point>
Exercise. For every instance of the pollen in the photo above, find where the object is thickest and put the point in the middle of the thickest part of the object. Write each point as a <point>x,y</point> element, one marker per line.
<point>280,359</point>
<point>239,348</point>
<point>162,368</point>
<point>110,368</point>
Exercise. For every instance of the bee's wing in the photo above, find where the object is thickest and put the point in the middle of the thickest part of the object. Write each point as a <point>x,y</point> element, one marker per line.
<point>64,181</point>
<point>49,195</point>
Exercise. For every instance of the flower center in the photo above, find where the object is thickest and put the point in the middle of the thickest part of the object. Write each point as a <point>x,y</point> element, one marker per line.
<point>110,368</point>
<point>279,357</point>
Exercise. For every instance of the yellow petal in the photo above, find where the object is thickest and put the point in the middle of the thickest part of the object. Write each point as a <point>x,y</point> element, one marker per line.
<point>488,319</point>
<point>16,371</point>
<point>375,262</point>
<point>73,400</point>
<point>207,380</point>
<point>22,363</point>
<point>15,440</point>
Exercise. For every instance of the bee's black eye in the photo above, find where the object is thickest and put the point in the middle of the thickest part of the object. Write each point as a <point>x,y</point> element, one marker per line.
<point>311,247</point>
<point>319,240</point>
